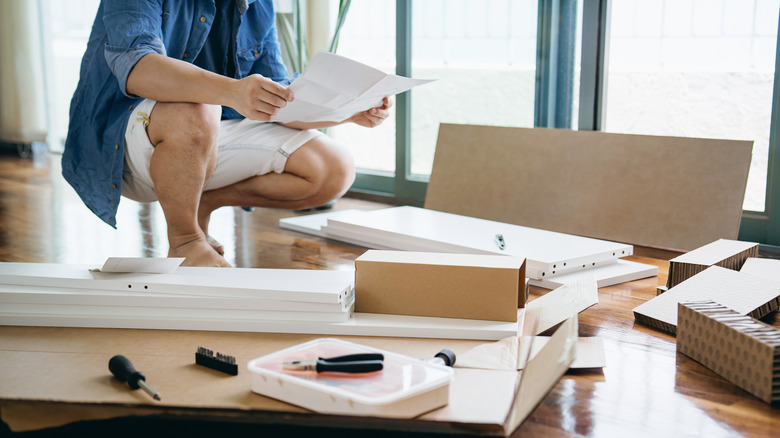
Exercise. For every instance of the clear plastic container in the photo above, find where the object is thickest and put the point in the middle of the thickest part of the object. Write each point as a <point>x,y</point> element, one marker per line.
<point>406,387</point>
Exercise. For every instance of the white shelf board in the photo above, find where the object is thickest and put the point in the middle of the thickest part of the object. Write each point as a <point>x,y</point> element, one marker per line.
<point>416,229</point>
<point>606,275</point>
<point>317,286</point>
<point>360,324</point>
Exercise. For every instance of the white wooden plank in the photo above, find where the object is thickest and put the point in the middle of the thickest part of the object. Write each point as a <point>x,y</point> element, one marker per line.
<point>83,310</point>
<point>416,229</point>
<point>313,223</point>
<point>361,324</point>
<point>606,275</point>
<point>273,284</point>
<point>41,295</point>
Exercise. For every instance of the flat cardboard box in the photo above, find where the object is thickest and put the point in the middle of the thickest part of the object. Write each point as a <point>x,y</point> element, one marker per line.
<point>467,286</point>
<point>54,376</point>
<point>594,184</point>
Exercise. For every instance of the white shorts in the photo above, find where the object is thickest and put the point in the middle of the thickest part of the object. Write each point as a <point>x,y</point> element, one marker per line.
<point>246,148</point>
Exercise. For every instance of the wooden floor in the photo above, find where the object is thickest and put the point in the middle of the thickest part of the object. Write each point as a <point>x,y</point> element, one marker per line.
<point>647,389</point>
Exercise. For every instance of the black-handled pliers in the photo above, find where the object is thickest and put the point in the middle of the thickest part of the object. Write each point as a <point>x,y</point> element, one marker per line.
<point>350,363</point>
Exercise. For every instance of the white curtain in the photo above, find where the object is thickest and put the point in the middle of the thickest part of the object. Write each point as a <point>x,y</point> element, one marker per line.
<point>22,92</point>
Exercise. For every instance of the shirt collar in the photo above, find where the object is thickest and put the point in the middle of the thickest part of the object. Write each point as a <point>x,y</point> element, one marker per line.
<point>243,5</point>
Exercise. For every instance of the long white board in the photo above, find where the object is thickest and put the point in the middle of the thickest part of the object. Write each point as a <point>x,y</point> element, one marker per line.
<point>605,275</point>
<point>416,229</point>
<point>70,296</point>
<point>360,324</point>
<point>91,310</point>
<point>316,286</point>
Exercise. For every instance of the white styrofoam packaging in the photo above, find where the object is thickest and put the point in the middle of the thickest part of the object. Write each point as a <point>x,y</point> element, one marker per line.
<point>405,388</point>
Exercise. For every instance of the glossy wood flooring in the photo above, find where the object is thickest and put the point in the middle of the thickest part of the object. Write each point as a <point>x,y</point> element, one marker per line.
<point>647,389</point>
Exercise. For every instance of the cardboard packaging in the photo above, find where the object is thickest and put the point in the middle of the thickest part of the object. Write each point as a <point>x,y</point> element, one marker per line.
<point>744,293</point>
<point>743,350</point>
<point>729,254</point>
<point>596,184</point>
<point>468,286</point>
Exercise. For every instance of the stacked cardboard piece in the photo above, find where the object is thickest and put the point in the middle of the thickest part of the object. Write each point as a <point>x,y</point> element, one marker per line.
<point>739,348</point>
<point>744,293</point>
<point>730,254</point>
<point>549,254</point>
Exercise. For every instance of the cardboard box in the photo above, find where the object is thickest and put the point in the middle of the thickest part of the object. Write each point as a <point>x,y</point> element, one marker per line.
<point>741,349</point>
<point>470,286</point>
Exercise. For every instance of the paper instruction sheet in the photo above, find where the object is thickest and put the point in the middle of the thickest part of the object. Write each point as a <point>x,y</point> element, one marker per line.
<point>146,265</point>
<point>334,88</point>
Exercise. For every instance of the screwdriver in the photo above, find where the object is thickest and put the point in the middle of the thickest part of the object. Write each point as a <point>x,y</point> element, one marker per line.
<point>124,371</point>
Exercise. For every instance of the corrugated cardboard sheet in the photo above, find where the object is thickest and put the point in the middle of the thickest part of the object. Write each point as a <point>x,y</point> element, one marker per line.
<point>666,192</point>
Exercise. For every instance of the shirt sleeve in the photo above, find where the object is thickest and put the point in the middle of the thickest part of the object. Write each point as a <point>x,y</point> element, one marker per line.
<point>133,30</point>
<point>270,63</point>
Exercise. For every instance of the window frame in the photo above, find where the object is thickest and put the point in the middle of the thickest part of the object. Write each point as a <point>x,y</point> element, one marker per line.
<point>399,187</point>
<point>552,76</point>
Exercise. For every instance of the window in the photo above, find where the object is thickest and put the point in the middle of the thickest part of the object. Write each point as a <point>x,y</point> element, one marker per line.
<point>696,69</point>
<point>482,55</point>
<point>66,26</point>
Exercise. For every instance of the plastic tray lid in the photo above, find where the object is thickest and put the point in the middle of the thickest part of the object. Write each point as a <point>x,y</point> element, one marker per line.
<point>401,377</point>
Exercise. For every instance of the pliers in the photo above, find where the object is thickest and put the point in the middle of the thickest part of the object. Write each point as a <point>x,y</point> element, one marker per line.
<point>350,363</point>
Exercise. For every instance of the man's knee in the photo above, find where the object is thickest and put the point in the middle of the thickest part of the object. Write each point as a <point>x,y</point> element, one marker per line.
<point>327,165</point>
<point>192,124</point>
<point>339,172</point>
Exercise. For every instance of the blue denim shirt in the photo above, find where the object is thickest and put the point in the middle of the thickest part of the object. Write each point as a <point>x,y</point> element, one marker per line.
<point>125,31</point>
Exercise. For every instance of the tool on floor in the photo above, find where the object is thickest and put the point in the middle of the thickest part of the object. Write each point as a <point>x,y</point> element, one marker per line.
<point>124,371</point>
<point>445,357</point>
<point>350,363</point>
<point>220,362</point>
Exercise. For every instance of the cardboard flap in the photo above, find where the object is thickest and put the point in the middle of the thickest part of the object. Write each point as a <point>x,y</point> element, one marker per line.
<point>543,372</point>
<point>558,305</point>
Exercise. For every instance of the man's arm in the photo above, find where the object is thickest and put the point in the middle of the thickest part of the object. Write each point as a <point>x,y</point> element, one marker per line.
<point>159,77</point>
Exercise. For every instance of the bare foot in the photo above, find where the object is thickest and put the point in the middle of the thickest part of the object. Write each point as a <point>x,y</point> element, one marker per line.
<point>198,253</point>
<point>204,215</point>
<point>215,244</point>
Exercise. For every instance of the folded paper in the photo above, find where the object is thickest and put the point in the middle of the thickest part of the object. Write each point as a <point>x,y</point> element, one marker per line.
<point>334,88</point>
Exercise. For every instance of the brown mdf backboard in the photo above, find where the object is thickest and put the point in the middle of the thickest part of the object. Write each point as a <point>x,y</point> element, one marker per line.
<point>665,192</point>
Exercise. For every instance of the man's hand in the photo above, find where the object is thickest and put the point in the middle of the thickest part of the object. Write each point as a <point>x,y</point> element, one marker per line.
<point>258,98</point>
<point>374,116</point>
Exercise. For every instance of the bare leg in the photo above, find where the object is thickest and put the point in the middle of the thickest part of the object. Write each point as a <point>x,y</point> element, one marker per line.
<point>184,136</point>
<point>318,172</point>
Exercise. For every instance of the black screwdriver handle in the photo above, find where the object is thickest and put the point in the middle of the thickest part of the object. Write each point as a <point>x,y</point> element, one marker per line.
<point>124,371</point>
